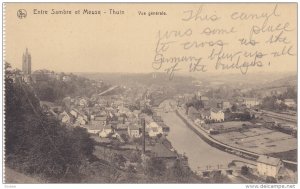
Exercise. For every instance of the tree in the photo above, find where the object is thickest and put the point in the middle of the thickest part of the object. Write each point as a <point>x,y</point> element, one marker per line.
<point>83,141</point>
<point>271,180</point>
<point>227,110</point>
<point>119,160</point>
<point>280,106</point>
<point>159,136</point>
<point>180,172</point>
<point>291,92</point>
<point>217,177</point>
<point>125,137</point>
<point>268,102</point>
<point>52,89</point>
<point>196,103</point>
<point>245,116</point>
<point>131,174</point>
<point>156,167</point>
<point>135,157</point>
<point>231,164</point>
<point>244,170</point>
<point>147,111</point>
<point>37,143</point>
<point>233,108</point>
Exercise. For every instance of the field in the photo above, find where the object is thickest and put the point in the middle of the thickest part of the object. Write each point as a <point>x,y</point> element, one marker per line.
<point>259,140</point>
<point>229,125</point>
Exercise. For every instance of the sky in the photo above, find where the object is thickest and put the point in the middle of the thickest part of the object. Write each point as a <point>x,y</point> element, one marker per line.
<point>127,43</point>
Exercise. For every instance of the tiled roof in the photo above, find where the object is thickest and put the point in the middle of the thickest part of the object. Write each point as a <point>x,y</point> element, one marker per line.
<point>100,118</point>
<point>134,127</point>
<point>93,127</point>
<point>215,110</point>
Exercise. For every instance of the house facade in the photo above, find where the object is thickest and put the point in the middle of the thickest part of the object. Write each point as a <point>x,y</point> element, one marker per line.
<point>268,166</point>
<point>251,102</point>
<point>289,103</point>
<point>133,131</point>
<point>154,129</point>
<point>226,105</point>
<point>217,115</point>
<point>73,113</point>
<point>106,131</point>
<point>64,117</point>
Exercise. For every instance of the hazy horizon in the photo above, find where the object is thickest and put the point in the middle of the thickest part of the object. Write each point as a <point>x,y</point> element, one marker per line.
<point>154,71</point>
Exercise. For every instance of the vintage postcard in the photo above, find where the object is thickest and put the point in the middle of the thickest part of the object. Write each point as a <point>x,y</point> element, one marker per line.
<point>150,93</point>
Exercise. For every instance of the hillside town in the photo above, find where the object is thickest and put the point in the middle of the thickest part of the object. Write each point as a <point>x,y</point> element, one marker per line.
<point>255,127</point>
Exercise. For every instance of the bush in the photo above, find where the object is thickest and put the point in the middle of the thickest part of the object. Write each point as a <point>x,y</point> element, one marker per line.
<point>39,144</point>
<point>156,167</point>
<point>271,180</point>
<point>245,170</point>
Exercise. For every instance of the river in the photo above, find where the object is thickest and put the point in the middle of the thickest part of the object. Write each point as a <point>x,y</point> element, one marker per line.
<point>185,141</point>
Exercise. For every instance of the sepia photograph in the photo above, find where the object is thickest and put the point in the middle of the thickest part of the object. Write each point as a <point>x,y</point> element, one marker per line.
<point>150,93</point>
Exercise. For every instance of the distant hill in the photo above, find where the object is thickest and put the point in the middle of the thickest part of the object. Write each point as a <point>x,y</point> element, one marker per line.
<point>144,78</point>
<point>285,81</point>
<point>251,80</point>
<point>50,88</point>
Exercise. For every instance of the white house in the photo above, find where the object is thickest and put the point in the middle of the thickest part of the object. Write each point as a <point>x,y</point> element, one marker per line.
<point>105,131</point>
<point>268,166</point>
<point>66,78</point>
<point>217,115</point>
<point>73,113</point>
<point>92,117</point>
<point>81,120</point>
<point>289,102</point>
<point>225,105</point>
<point>199,122</point>
<point>83,102</point>
<point>64,117</point>
<point>251,102</point>
<point>204,115</point>
<point>154,129</point>
<point>93,129</point>
<point>85,118</point>
<point>99,119</point>
<point>133,131</point>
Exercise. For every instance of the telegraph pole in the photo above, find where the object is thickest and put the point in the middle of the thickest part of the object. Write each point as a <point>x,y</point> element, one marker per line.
<point>143,133</point>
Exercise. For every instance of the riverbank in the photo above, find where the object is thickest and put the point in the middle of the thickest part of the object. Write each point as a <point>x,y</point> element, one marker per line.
<point>224,147</point>
<point>214,143</point>
<point>201,155</point>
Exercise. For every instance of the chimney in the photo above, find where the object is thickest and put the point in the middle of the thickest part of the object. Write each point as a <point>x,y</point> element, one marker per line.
<point>144,137</point>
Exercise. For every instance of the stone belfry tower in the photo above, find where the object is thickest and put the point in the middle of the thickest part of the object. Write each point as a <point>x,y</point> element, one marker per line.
<point>26,63</point>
